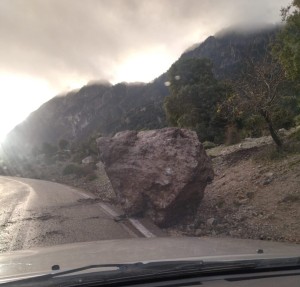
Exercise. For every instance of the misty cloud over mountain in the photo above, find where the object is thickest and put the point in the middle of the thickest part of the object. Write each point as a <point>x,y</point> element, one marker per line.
<point>54,39</point>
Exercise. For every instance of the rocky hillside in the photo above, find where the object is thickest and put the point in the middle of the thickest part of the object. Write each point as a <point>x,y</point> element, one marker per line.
<point>229,47</point>
<point>97,108</point>
<point>255,193</point>
<point>106,109</point>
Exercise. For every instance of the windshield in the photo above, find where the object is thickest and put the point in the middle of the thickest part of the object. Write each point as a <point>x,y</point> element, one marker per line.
<point>135,131</point>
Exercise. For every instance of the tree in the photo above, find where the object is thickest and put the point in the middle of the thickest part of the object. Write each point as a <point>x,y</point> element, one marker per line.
<point>194,96</point>
<point>231,112</point>
<point>63,144</point>
<point>35,151</point>
<point>262,90</point>
<point>48,149</point>
<point>287,48</point>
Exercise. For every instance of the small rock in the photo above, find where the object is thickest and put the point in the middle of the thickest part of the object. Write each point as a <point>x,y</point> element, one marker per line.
<point>250,194</point>
<point>283,131</point>
<point>233,233</point>
<point>210,221</point>
<point>267,181</point>
<point>87,160</point>
<point>236,203</point>
<point>269,174</point>
<point>243,201</point>
<point>169,171</point>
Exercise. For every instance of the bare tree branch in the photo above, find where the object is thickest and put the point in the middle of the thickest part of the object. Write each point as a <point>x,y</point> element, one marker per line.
<point>258,87</point>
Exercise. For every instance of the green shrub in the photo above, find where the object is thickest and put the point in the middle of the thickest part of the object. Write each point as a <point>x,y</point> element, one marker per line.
<point>49,160</point>
<point>297,120</point>
<point>49,149</point>
<point>63,144</point>
<point>78,157</point>
<point>254,126</point>
<point>75,169</point>
<point>80,171</point>
<point>295,135</point>
<point>70,169</point>
<point>269,153</point>
<point>293,147</point>
<point>208,144</point>
<point>92,176</point>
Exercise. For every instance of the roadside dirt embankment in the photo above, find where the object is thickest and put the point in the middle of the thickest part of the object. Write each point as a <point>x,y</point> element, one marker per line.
<point>253,195</point>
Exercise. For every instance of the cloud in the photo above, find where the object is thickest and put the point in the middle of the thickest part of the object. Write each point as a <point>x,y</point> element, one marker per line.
<point>68,40</point>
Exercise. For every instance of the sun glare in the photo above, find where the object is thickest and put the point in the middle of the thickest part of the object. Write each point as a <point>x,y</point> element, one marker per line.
<point>20,95</point>
<point>143,67</point>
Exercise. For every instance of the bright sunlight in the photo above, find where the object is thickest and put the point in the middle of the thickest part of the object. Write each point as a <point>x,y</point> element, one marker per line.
<point>20,95</point>
<point>143,67</point>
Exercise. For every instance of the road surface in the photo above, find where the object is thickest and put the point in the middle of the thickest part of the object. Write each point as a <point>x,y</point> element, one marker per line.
<point>35,213</point>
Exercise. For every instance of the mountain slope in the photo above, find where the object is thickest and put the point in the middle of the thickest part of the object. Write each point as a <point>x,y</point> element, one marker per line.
<point>107,109</point>
<point>94,108</point>
<point>229,47</point>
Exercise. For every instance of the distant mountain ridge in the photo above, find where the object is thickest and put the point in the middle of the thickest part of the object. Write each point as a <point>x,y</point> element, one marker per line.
<point>96,108</point>
<point>228,47</point>
<point>107,109</point>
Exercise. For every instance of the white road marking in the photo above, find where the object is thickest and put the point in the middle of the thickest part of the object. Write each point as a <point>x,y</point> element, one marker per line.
<point>114,214</point>
<point>108,210</point>
<point>135,222</point>
<point>141,228</point>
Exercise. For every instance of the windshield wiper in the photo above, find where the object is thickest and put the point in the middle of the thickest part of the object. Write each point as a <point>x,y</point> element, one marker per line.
<point>158,270</point>
<point>122,269</point>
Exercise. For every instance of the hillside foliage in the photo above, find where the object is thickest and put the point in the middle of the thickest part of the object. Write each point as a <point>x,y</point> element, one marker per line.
<point>287,47</point>
<point>258,100</point>
<point>194,97</point>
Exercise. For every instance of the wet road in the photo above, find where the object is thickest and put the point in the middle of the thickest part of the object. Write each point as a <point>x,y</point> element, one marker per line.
<point>36,213</point>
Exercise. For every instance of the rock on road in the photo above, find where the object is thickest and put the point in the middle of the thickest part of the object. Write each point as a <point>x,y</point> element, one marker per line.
<point>35,213</point>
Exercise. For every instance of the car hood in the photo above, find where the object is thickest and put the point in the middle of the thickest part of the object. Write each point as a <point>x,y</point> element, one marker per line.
<point>69,256</point>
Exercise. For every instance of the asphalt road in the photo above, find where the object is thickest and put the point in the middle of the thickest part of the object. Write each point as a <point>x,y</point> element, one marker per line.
<point>35,213</point>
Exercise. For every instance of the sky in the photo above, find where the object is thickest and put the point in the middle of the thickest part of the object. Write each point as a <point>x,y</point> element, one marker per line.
<point>52,46</point>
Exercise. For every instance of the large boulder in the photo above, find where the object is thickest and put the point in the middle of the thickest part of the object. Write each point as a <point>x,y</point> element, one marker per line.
<point>161,173</point>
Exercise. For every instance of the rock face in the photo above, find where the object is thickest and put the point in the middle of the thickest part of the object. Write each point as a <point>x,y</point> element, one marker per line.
<point>98,107</point>
<point>161,173</point>
<point>87,160</point>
